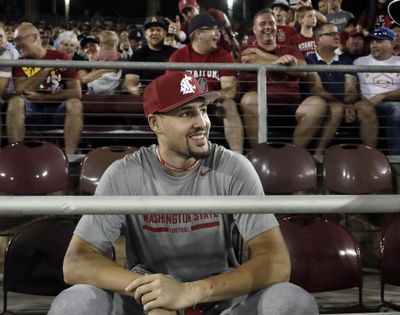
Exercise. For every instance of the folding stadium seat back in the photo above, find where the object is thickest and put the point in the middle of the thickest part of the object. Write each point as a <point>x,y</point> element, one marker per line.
<point>284,168</point>
<point>390,257</point>
<point>356,169</point>
<point>324,255</point>
<point>33,168</point>
<point>96,162</point>
<point>116,103</point>
<point>34,257</point>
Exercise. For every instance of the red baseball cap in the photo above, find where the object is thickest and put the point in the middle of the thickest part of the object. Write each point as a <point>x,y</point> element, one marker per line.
<point>187,3</point>
<point>219,16</point>
<point>172,90</point>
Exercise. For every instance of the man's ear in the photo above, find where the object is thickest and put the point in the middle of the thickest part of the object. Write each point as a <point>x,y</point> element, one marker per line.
<point>154,123</point>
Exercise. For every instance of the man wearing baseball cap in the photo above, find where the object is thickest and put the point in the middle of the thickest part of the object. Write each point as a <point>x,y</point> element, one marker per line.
<point>188,9</point>
<point>381,91</point>
<point>204,36</point>
<point>179,261</point>
<point>154,51</point>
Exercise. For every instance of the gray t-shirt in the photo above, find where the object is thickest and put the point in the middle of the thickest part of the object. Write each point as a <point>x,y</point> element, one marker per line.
<point>186,246</point>
<point>340,19</point>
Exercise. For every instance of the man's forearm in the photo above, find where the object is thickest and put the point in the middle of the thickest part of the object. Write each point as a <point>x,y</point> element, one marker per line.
<point>97,270</point>
<point>253,275</point>
<point>94,74</point>
<point>393,95</point>
<point>62,95</point>
<point>31,83</point>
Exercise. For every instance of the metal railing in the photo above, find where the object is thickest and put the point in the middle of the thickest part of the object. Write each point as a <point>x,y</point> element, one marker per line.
<point>77,205</point>
<point>261,69</point>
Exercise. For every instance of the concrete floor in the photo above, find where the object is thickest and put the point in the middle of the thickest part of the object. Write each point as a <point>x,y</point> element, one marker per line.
<point>27,304</point>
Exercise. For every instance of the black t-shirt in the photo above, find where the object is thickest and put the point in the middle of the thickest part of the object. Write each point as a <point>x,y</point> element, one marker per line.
<point>145,54</point>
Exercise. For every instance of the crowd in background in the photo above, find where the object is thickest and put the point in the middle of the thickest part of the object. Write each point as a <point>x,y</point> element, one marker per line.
<point>300,28</point>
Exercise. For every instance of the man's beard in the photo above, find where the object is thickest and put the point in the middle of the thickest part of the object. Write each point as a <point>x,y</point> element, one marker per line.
<point>200,155</point>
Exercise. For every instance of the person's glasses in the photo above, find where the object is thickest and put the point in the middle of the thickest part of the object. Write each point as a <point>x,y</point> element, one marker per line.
<point>334,34</point>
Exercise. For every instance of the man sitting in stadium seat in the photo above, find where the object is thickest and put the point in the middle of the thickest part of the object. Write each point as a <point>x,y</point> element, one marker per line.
<point>381,91</point>
<point>180,261</point>
<point>204,36</point>
<point>339,89</point>
<point>282,88</point>
<point>45,95</point>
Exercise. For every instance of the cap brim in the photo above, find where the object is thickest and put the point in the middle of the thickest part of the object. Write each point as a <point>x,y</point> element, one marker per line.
<point>187,6</point>
<point>217,23</point>
<point>372,37</point>
<point>208,96</point>
<point>154,24</point>
<point>88,41</point>
<point>286,7</point>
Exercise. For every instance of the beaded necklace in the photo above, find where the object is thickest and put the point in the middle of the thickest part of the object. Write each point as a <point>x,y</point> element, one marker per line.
<point>170,167</point>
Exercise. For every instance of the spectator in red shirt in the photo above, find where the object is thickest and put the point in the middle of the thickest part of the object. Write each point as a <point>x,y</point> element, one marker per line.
<point>204,36</point>
<point>374,16</point>
<point>45,95</point>
<point>305,39</point>
<point>283,94</point>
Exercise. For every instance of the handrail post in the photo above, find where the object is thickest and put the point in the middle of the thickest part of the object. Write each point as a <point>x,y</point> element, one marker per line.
<point>262,103</point>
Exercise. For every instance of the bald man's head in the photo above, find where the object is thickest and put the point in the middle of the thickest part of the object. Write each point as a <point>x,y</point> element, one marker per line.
<point>28,42</point>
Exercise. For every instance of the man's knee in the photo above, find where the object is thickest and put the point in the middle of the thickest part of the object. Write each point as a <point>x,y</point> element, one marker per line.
<point>286,299</point>
<point>82,299</point>
<point>74,106</point>
<point>249,103</point>
<point>312,107</point>
<point>366,111</point>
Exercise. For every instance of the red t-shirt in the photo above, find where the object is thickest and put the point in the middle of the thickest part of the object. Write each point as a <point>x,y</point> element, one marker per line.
<point>382,18</point>
<point>305,44</point>
<point>282,89</point>
<point>284,33</point>
<point>209,79</point>
<point>56,79</point>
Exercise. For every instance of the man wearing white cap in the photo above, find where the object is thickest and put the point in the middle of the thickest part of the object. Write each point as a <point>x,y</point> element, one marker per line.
<point>180,261</point>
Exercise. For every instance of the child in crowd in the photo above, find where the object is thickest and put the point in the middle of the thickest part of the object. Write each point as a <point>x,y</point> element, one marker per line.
<point>105,81</point>
<point>304,41</point>
<point>280,9</point>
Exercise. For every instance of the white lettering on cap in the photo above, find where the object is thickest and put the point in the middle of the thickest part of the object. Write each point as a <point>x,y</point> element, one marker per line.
<point>187,86</point>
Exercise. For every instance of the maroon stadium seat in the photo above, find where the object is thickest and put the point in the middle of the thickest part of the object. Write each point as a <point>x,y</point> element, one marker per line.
<point>284,168</point>
<point>356,169</point>
<point>324,255</point>
<point>95,163</point>
<point>390,258</point>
